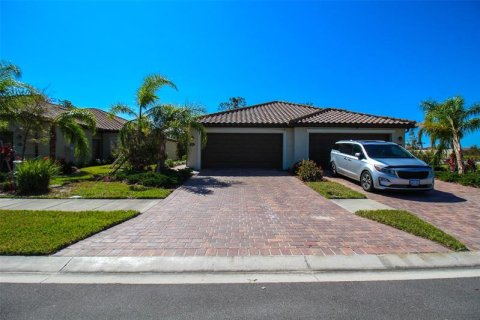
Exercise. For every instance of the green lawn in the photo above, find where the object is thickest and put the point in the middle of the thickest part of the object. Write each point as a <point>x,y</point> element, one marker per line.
<point>334,190</point>
<point>24,232</point>
<point>107,190</point>
<point>87,173</point>
<point>404,220</point>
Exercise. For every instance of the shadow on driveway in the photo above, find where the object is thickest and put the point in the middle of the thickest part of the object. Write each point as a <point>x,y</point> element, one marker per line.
<point>409,195</point>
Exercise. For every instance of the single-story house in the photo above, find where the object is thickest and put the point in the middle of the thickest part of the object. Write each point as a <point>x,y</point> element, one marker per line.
<point>277,134</point>
<point>101,144</point>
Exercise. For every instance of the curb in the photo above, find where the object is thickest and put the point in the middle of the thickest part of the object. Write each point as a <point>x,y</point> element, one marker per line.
<point>248,264</point>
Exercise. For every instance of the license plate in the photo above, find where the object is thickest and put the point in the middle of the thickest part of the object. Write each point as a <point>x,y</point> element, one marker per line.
<point>414,182</point>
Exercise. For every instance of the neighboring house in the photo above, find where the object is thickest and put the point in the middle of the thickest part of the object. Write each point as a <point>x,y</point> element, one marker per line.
<point>101,144</point>
<point>276,134</point>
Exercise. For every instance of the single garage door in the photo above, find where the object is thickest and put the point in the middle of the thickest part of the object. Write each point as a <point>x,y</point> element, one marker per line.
<point>320,144</point>
<point>243,150</point>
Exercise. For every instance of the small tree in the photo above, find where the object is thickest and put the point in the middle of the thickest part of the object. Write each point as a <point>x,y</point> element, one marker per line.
<point>232,103</point>
<point>135,137</point>
<point>174,122</point>
<point>448,122</point>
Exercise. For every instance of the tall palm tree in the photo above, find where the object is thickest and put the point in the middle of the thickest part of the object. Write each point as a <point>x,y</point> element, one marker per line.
<point>14,93</point>
<point>72,125</point>
<point>135,134</point>
<point>178,123</point>
<point>448,122</point>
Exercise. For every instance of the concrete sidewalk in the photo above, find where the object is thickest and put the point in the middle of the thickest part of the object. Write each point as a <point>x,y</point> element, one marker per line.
<point>78,204</point>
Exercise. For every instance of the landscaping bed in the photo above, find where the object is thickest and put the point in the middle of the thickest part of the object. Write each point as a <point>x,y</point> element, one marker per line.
<point>24,232</point>
<point>97,182</point>
<point>408,222</point>
<point>470,179</point>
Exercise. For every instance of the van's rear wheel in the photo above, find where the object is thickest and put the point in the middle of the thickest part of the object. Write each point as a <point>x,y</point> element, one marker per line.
<point>367,181</point>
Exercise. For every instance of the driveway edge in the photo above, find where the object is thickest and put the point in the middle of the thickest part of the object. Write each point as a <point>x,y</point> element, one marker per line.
<point>299,264</point>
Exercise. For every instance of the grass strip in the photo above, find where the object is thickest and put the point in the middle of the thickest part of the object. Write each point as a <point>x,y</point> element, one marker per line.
<point>410,223</point>
<point>335,190</point>
<point>28,232</point>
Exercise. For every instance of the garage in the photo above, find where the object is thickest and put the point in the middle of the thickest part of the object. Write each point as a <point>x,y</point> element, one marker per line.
<point>243,150</point>
<point>320,144</point>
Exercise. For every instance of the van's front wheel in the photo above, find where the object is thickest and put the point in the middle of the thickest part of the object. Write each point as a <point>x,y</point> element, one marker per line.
<point>367,181</point>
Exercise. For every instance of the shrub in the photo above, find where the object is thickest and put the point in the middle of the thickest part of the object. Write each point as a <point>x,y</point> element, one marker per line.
<point>33,176</point>
<point>309,171</point>
<point>470,166</point>
<point>168,179</point>
<point>170,163</point>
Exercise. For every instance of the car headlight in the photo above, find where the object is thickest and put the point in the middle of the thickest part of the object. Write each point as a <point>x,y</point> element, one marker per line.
<point>385,170</point>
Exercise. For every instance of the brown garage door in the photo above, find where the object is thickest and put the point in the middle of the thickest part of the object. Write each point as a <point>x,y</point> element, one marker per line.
<point>243,150</point>
<point>320,144</point>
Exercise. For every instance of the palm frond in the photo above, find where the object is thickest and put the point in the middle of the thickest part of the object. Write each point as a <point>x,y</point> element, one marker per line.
<point>121,109</point>
<point>146,94</point>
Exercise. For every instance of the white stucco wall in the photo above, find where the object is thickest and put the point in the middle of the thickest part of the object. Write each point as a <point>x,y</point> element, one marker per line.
<point>296,141</point>
<point>171,150</point>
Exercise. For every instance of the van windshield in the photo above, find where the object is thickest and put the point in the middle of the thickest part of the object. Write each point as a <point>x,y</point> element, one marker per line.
<point>386,151</point>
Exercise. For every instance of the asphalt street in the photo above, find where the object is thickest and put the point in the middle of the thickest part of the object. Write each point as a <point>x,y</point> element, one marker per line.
<point>412,299</point>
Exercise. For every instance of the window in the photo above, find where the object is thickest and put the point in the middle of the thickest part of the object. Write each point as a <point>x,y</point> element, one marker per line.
<point>386,151</point>
<point>336,147</point>
<point>345,148</point>
<point>357,149</point>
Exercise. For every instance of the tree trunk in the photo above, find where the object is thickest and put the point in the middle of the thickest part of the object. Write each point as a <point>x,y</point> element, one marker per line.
<point>457,148</point>
<point>161,155</point>
<point>53,142</point>
<point>24,147</point>
<point>36,144</point>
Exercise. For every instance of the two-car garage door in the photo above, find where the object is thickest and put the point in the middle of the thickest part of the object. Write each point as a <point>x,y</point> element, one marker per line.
<point>243,150</point>
<point>320,144</point>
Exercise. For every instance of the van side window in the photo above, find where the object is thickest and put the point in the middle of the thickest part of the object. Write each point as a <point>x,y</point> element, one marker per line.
<point>345,148</point>
<point>357,149</point>
<point>336,147</point>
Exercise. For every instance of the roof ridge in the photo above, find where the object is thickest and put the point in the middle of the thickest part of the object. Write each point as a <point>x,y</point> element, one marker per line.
<point>256,106</point>
<point>314,113</point>
<point>115,117</point>
<point>372,115</point>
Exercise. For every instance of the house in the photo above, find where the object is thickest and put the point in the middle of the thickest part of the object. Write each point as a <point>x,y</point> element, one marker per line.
<point>277,134</point>
<point>101,144</point>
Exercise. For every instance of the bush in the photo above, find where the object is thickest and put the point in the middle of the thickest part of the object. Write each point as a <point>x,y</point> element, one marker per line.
<point>309,171</point>
<point>33,176</point>
<point>471,179</point>
<point>167,179</point>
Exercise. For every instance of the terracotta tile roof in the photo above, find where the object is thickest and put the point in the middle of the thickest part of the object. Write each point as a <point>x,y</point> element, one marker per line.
<point>104,122</point>
<point>271,113</point>
<point>278,113</point>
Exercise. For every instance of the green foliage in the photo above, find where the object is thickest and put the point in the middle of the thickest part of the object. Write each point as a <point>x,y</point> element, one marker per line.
<point>167,179</point>
<point>448,122</point>
<point>410,223</point>
<point>334,190</point>
<point>232,103</point>
<point>308,170</point>
<point>143,139</point>
<point>25,232</point>
<point>33,176</point>
<point>471,179</point>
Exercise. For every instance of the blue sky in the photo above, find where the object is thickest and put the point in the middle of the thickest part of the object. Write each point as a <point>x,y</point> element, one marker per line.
<point>373,57</point>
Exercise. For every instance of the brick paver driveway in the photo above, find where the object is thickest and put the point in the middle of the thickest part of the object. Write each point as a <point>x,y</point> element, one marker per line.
<point>451,207</point>
<point>230,213</point>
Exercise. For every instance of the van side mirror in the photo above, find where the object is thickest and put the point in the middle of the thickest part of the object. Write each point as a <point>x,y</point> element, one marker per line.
<point>358,155</point>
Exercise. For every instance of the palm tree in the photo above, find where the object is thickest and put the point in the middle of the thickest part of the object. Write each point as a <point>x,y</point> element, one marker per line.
<point>14,93</point>
<point>135,134</point>
<point>178,123</point>
<point>448,122</point>
<point>72,125</point>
